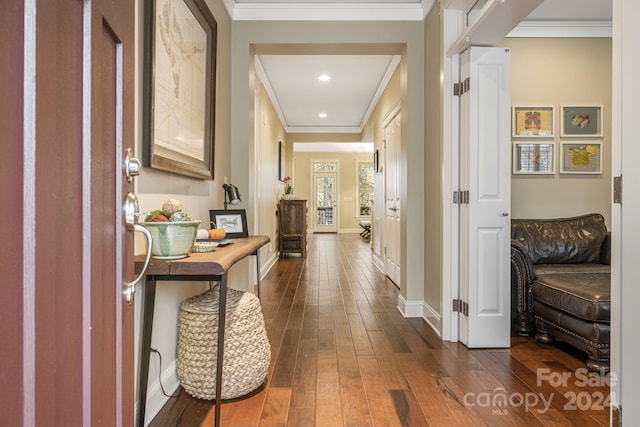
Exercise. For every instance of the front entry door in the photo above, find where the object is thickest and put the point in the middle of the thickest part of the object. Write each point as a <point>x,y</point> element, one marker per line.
<point>67,113</point>
<point>325,203</point>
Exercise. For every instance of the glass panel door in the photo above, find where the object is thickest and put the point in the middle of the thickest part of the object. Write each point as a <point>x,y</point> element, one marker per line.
<point>325,215</point>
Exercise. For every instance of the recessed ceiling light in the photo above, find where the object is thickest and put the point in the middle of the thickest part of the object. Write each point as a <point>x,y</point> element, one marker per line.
<point>322,115</point>
<point>324,77</point>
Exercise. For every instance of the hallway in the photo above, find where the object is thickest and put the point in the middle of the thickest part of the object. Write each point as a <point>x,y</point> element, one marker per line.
<point>342,355</point>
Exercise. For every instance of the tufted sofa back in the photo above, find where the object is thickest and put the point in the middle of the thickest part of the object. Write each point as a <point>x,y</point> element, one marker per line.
<point>573,240</point>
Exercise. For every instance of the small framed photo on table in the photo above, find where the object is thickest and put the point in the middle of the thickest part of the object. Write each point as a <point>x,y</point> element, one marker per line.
<point>534,158</point>
<point>233,221</point>
<point>581,157</point>
<point>532,122</point>
<point>581,121</point>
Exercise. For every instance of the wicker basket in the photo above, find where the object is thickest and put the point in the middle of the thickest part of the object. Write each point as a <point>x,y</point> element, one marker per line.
<point>246,346</point>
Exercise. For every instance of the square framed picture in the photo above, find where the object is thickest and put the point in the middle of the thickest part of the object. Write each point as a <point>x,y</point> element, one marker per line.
<point>534,158</point>
<point>233,221</point>
<point>581,157</point>
<point>581,120</point>
<point>532,122</point>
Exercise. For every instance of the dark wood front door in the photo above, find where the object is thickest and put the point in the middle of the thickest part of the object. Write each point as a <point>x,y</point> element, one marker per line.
<point>67,117</point>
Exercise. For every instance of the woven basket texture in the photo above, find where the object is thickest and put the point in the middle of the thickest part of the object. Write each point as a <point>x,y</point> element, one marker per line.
<point>246,346</point>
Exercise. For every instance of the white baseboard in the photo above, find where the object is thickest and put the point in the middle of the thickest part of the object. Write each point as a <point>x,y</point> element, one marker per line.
<point>433,318</point>
<point>155,398</point>
<point>266,266</point>
<point>410,308</point>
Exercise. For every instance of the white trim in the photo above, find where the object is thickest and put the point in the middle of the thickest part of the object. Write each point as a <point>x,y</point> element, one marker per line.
<point>432,318</point>
<point>453,25</point>
<point>327,12</point>
<point>563,29</point>
<point>155,399</point>
<point>333,147</point>
<point>409,308</point>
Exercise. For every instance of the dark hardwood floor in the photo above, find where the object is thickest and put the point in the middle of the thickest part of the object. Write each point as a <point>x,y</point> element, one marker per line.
<point>342,355</point>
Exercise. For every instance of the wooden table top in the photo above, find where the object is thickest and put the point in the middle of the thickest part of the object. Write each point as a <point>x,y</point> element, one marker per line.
<point>205,263</point>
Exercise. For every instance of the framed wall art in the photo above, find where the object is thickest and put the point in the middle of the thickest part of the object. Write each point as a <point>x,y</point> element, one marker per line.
<point>532,122</point>
<point>581,157</point>
<point>581,120</point>
<point>233,221</point>
<point>533,158</point>
<point>179,87</point>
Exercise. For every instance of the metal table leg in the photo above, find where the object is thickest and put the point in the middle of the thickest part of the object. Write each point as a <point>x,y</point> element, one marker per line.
<point>145,351</point>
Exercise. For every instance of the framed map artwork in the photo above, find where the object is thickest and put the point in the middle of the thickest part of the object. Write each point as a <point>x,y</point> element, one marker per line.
<point>179,87</point>
<point>532,122</point>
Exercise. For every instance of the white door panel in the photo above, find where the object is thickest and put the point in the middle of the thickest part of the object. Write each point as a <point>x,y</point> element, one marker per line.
<point>485,177</point>
<point>392,135</point>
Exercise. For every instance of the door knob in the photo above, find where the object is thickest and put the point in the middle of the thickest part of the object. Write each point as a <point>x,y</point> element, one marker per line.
<point>132,166</point>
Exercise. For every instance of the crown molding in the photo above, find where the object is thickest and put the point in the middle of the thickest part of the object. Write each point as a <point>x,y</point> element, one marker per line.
<point>327,11</point>
<point>562,29</point>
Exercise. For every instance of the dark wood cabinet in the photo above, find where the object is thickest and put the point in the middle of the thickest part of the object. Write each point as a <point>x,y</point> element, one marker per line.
<point>292,226</point>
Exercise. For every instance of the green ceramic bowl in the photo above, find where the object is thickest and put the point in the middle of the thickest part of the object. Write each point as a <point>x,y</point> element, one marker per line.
<point>171,240</point>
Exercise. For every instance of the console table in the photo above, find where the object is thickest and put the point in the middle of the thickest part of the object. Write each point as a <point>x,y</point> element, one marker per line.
<point>207,267</point>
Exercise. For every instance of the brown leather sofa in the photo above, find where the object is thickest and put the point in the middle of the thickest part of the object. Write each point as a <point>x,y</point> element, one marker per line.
<point>560,283</point>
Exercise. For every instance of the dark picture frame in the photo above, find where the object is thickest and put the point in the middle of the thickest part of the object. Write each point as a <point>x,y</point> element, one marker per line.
<point>233,221</point>
<point>179,89</point>
<point>281,167</point>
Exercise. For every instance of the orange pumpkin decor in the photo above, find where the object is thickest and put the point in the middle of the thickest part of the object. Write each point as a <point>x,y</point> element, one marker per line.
<point>217,233</point>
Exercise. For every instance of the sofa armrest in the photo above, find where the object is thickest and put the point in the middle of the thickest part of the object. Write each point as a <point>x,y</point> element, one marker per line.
<point>521,280</point>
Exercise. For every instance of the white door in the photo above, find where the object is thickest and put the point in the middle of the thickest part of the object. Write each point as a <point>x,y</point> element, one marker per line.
<point>325,214</point>
<point>485,148</point>
<point>625,232</point>
<point>392,238</point>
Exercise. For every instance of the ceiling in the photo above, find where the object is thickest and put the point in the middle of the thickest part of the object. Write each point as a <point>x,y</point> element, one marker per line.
<point>356,80</point>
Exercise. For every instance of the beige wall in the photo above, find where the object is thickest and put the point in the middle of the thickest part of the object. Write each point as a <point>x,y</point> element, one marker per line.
<point>347,185</point>
<point>570,71</point>
<point>153,187</point>
<point>269,187</point>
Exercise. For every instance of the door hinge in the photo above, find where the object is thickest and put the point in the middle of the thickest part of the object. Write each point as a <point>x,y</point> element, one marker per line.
<point>617,189</point>
<point>461,88</point>
<point>616,416</point>
<point>461,197</point>
<point>460,306</point>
